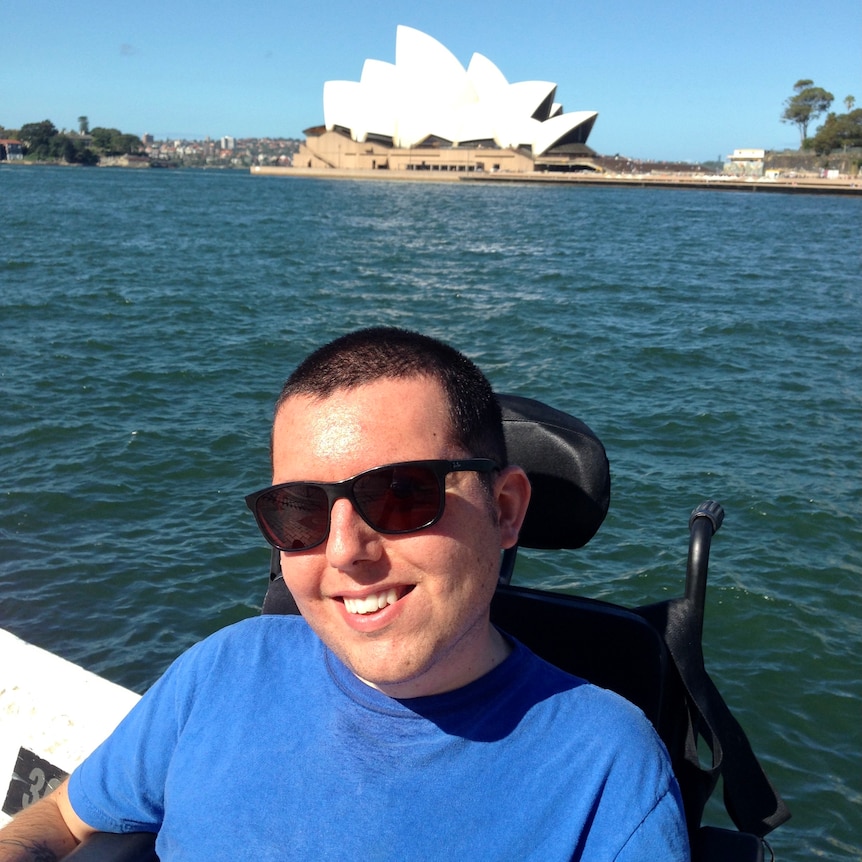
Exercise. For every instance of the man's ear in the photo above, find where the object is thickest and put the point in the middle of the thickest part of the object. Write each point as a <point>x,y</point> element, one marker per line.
<point>513,496</point>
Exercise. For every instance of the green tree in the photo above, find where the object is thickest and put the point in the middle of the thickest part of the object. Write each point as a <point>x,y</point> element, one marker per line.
<point>37,138</point>
<point>83,125</point>
<point>808,104</point>
<point>101,138</point>
<point>849,103</point>
<point>64,148</point>
<point>129,144</point>
<point>43,141</point>
<point>838,132</point>
<point>59,147</point>
<point>112,142</point>
<point>87,157</point>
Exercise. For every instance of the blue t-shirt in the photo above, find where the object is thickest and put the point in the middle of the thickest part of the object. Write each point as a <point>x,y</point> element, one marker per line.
<point>258,743</point>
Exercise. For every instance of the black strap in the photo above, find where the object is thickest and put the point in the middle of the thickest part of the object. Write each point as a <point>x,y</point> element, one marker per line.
<point>751,801</point>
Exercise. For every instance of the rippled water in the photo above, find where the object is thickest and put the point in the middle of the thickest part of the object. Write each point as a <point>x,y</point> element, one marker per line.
<point>713,341</point>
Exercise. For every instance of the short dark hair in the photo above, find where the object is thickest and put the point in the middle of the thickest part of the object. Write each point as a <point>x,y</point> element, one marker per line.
<point>384,352</point>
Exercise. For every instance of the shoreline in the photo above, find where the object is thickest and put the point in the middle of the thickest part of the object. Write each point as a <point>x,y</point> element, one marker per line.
<point>842,186</point>
<point>797,185</point>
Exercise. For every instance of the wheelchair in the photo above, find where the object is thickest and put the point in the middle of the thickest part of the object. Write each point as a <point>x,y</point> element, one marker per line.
<point>652,655</point>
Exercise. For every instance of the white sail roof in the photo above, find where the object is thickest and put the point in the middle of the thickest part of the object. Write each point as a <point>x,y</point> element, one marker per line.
<point>427,92</point>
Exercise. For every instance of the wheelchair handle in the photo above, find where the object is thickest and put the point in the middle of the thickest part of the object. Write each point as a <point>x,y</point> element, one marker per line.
<point>704,522</point>
<point>711,510</point>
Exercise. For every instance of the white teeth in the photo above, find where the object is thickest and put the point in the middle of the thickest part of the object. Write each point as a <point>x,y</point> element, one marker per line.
<point>370,604</point>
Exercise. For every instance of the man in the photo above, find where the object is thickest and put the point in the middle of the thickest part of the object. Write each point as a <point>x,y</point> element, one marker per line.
<point>391,721</point>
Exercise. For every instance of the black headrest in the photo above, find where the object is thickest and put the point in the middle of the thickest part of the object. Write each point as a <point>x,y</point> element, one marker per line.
<point>568,469</point>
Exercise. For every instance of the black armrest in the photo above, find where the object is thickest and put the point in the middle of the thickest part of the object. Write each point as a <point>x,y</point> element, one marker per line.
<point>113,847</point>
<point>713,844</point>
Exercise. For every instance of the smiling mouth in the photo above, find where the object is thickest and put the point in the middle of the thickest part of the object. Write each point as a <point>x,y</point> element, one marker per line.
<point>373,603</point>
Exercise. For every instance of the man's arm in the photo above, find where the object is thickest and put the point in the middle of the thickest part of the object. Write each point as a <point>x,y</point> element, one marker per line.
<point>661,835</point>
<point>44,832</point>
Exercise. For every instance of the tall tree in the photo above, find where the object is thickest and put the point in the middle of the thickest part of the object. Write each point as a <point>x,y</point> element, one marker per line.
<point>84,125</point>
<point>808,103</point>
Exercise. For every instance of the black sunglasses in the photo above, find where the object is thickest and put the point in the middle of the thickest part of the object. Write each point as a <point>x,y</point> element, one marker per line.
<point>395,498</point>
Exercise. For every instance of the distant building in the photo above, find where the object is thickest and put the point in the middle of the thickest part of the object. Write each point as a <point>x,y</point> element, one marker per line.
<point>745,163</point>
<point>427,112</point>
<point>228,143</point>
<point>11,150</point>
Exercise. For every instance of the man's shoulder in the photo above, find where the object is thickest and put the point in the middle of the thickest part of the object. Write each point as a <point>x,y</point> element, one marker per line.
<point>564,693</point>
<point>599,729</point>
<point>252,642</point>
<point>263,626</point>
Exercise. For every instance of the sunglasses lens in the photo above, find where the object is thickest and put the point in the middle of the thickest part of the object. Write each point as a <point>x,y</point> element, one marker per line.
<point>294,517</point>
<point>399,499</point>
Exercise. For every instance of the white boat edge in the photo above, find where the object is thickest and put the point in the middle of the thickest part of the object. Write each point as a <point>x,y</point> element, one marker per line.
<point>53,713</point>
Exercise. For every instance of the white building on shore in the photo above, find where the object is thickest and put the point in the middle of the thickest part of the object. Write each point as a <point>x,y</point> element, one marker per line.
<point>426,111</point>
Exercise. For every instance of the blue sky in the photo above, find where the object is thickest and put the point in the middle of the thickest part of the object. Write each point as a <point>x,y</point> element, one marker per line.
<point>670,79</point>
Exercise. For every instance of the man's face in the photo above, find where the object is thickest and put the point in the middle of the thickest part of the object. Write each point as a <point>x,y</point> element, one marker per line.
<point>435,635</point>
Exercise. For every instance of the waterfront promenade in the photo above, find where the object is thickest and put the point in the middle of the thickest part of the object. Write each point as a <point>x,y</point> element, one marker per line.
<point>787,185</point>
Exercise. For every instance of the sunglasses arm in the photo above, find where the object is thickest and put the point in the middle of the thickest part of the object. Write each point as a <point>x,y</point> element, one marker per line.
<point>507,564</point>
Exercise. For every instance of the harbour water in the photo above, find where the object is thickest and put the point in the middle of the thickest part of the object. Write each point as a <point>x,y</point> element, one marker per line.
<point>713,341</point>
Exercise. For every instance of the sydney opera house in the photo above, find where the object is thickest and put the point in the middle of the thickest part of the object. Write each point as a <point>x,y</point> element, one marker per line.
<point>426,111</point>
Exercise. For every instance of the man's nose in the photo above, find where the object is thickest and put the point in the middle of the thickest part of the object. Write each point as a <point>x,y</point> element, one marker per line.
<point>350,539</point>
